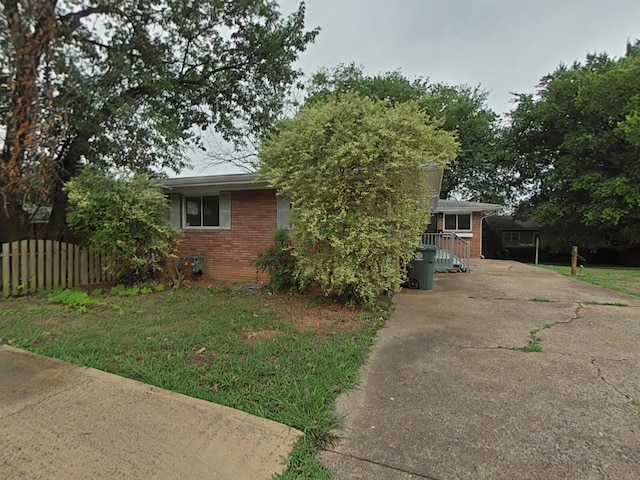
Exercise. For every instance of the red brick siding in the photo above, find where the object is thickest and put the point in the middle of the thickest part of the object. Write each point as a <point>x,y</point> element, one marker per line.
<point>476,230</point>
<point>476,241</point>
<point>229,253</point>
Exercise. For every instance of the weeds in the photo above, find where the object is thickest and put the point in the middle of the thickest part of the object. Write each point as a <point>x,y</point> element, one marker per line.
<point>72,297</point>
<point>534,343</point>
<point>542,300</point>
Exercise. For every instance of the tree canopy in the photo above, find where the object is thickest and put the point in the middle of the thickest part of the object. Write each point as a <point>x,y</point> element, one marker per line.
<point>354,170</point>
<point>123,83</point>
<point>576,144</point>
<point>476,174</point>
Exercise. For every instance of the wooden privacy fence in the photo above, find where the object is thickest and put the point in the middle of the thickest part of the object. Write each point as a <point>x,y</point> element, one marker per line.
<point>29,266</point>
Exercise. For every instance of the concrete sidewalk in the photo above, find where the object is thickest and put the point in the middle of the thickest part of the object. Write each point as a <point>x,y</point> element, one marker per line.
<point>61,421</point>
<point>445,396</point>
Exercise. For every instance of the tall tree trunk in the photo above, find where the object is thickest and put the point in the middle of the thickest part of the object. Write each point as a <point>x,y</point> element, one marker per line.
<point>57,228</point>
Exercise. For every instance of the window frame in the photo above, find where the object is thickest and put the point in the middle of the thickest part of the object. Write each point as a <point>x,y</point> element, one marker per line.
<point>511,236</point>
<point>457,229</point>
<point>201,226</point>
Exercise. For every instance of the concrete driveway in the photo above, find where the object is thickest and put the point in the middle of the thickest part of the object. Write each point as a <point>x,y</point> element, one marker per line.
<point>445,395</point>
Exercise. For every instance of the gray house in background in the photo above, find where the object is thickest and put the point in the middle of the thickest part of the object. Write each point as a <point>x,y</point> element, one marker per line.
<point>513,232</point>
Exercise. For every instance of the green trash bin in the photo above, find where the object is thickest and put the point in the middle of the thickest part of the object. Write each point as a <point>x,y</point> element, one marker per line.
<point>422,267</point>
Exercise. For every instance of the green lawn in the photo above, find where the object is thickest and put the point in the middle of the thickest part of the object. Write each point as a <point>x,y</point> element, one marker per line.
<point>621,279</point>
<point>214,344</point>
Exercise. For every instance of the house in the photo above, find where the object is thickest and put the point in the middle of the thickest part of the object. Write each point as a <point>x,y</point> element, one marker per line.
<point>229,220</point>
<point>512,231</point>
<point>462,220</point>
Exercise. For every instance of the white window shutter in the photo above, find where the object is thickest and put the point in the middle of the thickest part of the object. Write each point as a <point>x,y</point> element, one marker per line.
<point>225,210</point>
<point>175,210</point>
<point>284,209</point>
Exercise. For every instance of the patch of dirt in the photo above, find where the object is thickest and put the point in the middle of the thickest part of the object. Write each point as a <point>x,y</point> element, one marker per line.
<point>205,358</point>
<point>307,311</point>
<point>268,334</point>
<point>312,311</point>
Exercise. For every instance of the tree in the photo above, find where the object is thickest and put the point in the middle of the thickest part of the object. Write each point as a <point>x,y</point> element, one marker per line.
<point>354,170</point>
<point>477,173</point>
<point>125,219</point>
<point>122,84</point>
<point>576,145</point>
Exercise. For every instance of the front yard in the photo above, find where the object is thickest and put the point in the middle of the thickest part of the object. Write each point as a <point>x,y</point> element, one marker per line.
<point>283,357</point>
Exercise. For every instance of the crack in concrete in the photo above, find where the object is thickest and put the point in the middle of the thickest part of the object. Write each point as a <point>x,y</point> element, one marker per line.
<point>391,467</point>
<point>576,315</point>
<point>601,376</point>
<point>564,354</point>
<point>475,347</point>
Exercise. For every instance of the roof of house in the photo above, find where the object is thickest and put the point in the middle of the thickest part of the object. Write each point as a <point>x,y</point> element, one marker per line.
<point>453,206</point>
<point>506,222</point>
<point>37,214</point>
<point>240,181</point>
<point>215,180</point>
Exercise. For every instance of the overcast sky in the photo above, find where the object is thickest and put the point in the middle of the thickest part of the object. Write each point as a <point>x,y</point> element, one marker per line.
<point>503,45</point>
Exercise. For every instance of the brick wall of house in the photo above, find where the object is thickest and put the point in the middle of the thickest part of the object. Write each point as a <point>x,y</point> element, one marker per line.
<point>229,253</point>
<point>476,230</point>
<point>476,241</point>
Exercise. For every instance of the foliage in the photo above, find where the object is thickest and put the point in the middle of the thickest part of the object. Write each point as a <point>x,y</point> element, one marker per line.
<point>279,263</point>
<point>124,219</point>
<point>477,172</point>
<point>575,143</point>
<point>354,170</point>
<point>132,83</point>
<point>72,297</point>
<point>293,378</point>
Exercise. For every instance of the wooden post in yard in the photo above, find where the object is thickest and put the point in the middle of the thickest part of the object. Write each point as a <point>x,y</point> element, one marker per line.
<point>574,260</point>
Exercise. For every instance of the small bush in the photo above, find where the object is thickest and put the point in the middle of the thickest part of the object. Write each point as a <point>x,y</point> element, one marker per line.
<point>279,263</point>
<point>117,290</point>
<point>72,297</point>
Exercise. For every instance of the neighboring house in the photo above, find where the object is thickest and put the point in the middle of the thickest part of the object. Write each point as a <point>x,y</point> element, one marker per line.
<point>464,219</point>
<point>231,219</point>
<point>514,232</point>
<point>38,218</point>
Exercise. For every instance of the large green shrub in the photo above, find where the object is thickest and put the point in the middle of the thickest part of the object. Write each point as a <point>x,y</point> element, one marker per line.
<point>354,169</point>
<point>125,219</point>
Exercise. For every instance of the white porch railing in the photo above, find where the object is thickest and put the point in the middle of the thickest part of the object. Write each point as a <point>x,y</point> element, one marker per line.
<point>453,252</point>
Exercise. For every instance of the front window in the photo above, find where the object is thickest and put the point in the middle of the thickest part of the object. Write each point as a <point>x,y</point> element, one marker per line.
<point>457,222</point>
<point>202,211</point>
<point>511,236</point>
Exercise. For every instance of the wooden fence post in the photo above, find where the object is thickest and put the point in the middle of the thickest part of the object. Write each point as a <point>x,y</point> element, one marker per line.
<point>6,270</point>
<point>574,260</point>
